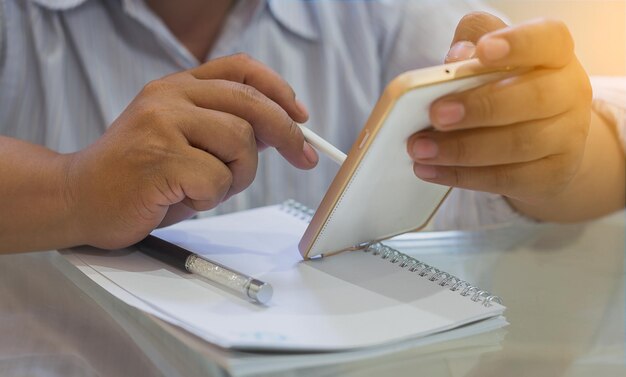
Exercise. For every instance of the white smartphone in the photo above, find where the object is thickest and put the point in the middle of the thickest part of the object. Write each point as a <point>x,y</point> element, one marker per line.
<point>375,194</point>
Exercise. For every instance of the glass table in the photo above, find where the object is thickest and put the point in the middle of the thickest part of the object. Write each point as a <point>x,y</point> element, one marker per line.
<point>563,286</point>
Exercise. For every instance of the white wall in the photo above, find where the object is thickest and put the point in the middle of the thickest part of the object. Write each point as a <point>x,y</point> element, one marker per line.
<point>598,28</point>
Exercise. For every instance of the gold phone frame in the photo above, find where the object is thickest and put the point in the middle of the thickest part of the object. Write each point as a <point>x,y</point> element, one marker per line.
<point>403,83</point>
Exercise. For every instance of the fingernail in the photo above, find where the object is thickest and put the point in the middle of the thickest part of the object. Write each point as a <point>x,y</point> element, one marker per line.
<point>310,153</point>
<point>424,148</point>
<point>448,112</point>
<point>303,110</point>
<point>425,171</point>
<point>495,48</point>
<point>461,50</point>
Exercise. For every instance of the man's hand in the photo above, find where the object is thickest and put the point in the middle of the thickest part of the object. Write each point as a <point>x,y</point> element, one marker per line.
<point>523,137</point>
<point>187,142</point>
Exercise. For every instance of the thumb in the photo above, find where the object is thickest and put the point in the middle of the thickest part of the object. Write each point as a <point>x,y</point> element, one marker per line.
<point>469,30</point>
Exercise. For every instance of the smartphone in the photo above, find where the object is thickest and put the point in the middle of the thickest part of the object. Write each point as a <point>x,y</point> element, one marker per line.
<point>375,194</point>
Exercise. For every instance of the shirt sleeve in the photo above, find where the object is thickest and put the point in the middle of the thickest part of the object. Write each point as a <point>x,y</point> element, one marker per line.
<point>474,210</point>
<point>2,34</point>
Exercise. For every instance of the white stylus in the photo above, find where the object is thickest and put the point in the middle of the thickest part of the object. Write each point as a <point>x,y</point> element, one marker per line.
<point>323,146</point>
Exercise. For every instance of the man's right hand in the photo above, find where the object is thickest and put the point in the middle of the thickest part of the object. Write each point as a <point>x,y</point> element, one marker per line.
<point>187,142</point>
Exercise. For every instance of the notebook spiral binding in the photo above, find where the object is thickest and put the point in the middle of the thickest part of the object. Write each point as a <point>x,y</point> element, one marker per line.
<point>433,274</point>
<point>422,269</point>
<point>298,210</point>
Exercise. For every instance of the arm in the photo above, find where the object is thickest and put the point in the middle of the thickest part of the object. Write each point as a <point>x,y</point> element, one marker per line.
<point>596,189</point>
<point>187,142</point>
<point>35,203</point>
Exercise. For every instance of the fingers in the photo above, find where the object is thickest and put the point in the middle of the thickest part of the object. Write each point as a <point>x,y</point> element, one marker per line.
<point>538,43</point>
<point>247,89</point>
<point>543,43</point>
<point>523,181</point>
<point>176,213</point>
<point>523,142</point>
<point>469,30</point>
<point>521,136</point>
<point>227,137</point>
<point>537,94</point>
<point>203,179</point>
<point>461,50</point>
<point>243,69</point>
<point>476,24</point>
<point>270,122</point>
<point>526,161</point>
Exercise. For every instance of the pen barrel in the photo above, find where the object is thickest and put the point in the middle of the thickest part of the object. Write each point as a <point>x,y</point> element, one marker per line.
<point>219,274</point>
<point>236,281</point>
<point>164,251</point>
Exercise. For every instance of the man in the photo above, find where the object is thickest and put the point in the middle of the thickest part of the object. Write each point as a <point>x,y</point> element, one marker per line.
<point>189,141</point>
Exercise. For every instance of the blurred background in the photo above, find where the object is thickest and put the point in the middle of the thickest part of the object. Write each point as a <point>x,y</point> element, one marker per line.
<point>598,27</point>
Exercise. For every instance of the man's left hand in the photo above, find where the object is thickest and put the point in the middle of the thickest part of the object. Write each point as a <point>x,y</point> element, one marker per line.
<point>522,137</point>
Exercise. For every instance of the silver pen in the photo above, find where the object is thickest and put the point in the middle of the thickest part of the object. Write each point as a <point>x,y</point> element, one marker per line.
<point>219,274</point>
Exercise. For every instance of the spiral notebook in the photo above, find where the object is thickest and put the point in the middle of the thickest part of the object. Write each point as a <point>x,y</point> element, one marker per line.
<point>352,300</point>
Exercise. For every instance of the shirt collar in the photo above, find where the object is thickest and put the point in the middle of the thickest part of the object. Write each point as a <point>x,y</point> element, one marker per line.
<point>59,4</point>
<point>298,17</point>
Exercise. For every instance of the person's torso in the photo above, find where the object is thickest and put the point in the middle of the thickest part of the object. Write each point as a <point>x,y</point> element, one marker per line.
<point>69,68</point>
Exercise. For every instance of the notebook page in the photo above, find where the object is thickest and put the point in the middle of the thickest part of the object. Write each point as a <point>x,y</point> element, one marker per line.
<point>346,301</point>
<point>483,336</point>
